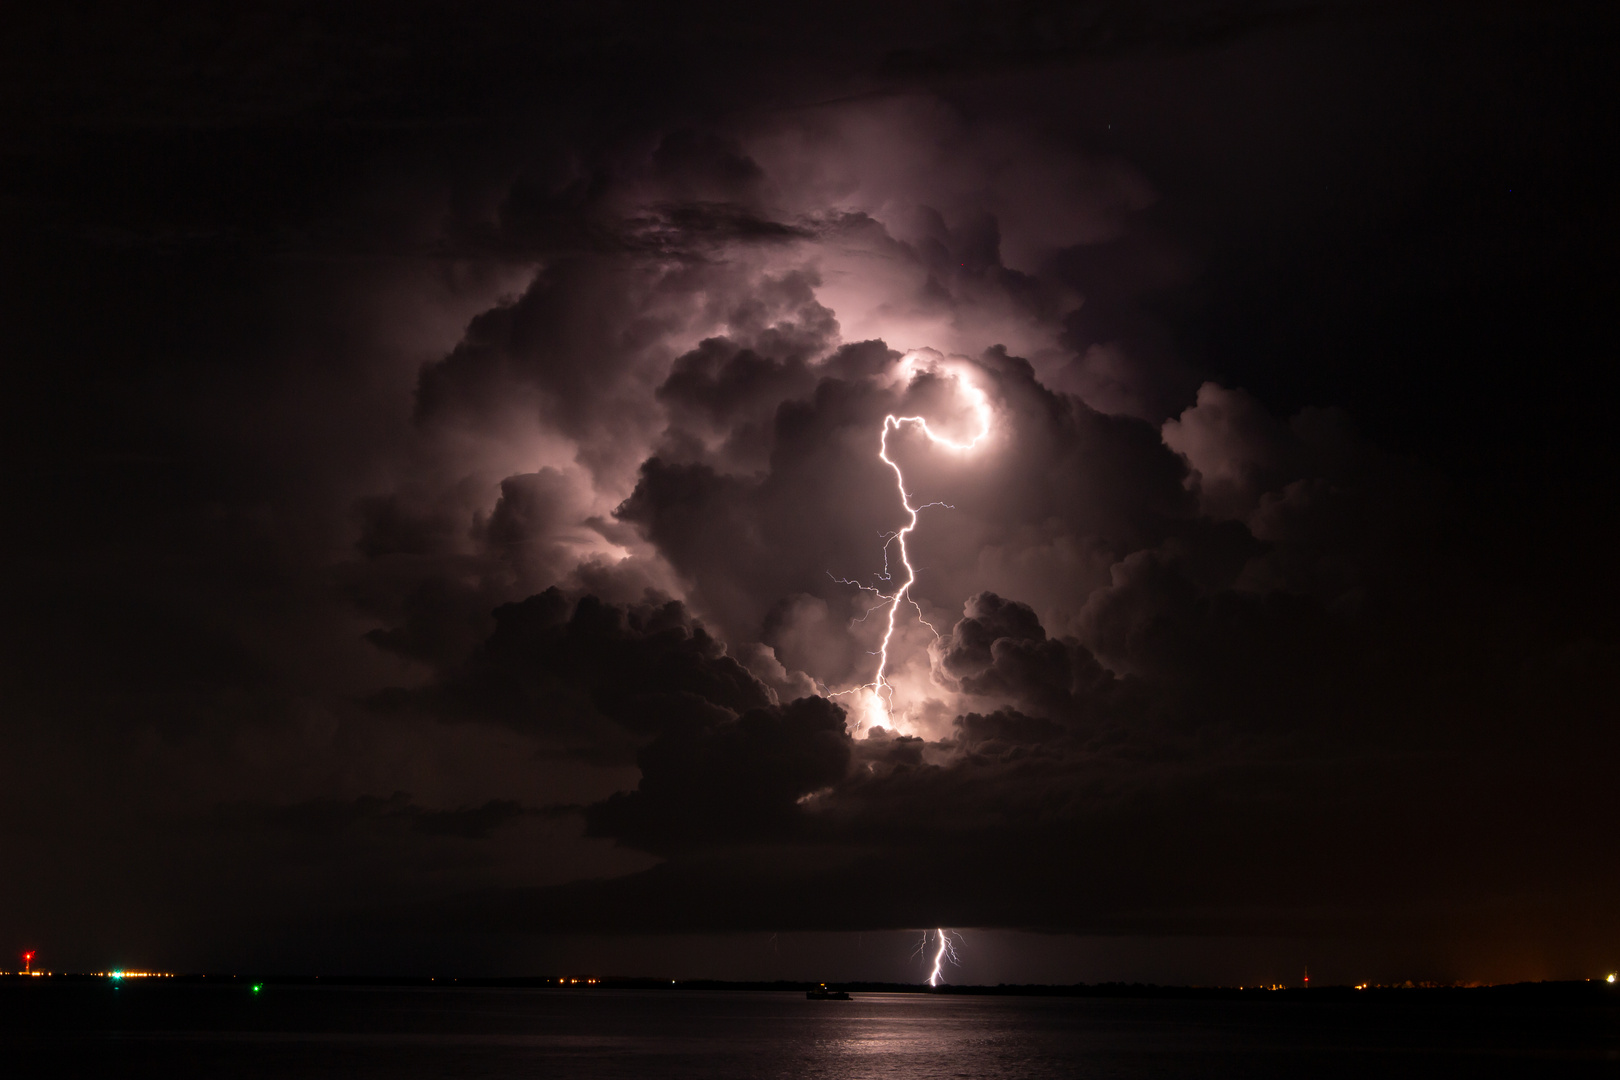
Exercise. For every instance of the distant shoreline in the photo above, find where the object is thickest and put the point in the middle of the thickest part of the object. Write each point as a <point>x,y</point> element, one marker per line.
<point>1588,992</point>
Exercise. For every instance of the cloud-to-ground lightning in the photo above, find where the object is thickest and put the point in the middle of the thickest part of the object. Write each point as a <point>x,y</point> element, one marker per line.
<point>882,690</point>
<point>944,953</point>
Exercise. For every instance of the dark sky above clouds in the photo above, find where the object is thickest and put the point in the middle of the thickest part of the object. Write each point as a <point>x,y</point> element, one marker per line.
<point>445,527</point>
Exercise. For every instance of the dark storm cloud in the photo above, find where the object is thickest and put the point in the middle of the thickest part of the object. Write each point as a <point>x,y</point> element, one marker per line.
<point>721,760</point>
<point>987,619</point>
<point>717,381</point>
<point>999,650</point>
<point>736,779</point>
<point>550,661</point>
<point>534,345</point>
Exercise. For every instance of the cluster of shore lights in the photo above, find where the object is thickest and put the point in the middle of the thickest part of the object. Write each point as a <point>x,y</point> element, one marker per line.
<point>115,976</point>
<point>572,982</point>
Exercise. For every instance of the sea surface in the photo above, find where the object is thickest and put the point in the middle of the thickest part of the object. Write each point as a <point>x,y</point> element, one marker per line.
<point>408,1033</point>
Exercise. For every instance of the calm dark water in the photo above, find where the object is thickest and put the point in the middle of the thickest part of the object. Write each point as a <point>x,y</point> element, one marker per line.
<point>406,1034</point>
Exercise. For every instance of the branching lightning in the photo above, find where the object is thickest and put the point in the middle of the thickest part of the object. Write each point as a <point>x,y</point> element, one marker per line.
<point>944,952</point>
<point>880,687</point>
<point>881,690</point>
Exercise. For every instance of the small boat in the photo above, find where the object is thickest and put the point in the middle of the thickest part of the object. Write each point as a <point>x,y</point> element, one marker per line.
<point>821,993</point>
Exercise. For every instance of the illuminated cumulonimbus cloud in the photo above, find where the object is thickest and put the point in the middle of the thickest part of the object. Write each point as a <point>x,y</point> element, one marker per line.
<point>616,424</point>
<point>875,699</point>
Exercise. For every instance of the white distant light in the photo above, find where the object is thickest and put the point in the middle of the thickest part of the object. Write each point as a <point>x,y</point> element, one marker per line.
<point>1610,979</point>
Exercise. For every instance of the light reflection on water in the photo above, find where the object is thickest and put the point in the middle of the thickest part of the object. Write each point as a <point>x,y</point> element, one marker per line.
<point>404,1034</point>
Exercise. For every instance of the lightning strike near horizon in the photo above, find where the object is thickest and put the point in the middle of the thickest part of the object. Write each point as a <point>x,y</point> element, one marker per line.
<point>944,953</point>
<point>881,689</point>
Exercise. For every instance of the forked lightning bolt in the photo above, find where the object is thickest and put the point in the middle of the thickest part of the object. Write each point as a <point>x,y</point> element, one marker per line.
<point>880,686</point>
<point>944,953</point>
<point>882,690</point>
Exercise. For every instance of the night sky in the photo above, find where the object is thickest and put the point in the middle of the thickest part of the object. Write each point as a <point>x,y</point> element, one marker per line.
<point>444,523</point>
